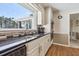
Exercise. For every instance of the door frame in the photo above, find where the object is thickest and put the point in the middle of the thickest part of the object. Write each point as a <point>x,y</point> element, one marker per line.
<point>69,36</point>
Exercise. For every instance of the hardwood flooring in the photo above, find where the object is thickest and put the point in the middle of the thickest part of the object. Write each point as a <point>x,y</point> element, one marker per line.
<point>57,50</point>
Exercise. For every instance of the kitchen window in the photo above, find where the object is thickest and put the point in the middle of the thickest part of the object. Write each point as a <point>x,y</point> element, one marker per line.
<point>17,16</point>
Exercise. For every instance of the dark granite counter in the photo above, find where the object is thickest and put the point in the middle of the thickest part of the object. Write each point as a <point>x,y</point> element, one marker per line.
<point>11,43</point>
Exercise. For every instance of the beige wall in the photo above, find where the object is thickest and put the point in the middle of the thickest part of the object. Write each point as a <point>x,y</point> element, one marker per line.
<point>61,25</point>
<point>61,28</point>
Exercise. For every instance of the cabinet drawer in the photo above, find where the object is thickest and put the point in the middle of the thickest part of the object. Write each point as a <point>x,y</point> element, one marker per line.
<point>31,45</point>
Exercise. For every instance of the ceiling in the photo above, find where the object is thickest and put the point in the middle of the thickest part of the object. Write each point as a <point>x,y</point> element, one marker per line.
<point>62,6</point>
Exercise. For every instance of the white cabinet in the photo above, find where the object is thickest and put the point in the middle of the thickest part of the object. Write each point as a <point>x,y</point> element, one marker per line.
<point>33,48</point>
<point>44,44</point>
<point>33,52</point>
<point>48,43</point>
<point>39,46</point>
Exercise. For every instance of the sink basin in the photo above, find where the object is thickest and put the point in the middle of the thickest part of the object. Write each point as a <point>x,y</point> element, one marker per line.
<point>16,35</point>
<point>31,37</point>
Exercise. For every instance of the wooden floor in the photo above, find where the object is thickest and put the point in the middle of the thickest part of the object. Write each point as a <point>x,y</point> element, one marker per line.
<point>57,50</point>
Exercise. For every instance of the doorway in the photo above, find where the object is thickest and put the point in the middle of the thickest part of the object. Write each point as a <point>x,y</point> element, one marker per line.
<point>74,30</point>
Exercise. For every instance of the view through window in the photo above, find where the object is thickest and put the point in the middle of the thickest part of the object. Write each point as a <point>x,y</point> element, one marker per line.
<point>15,16</point>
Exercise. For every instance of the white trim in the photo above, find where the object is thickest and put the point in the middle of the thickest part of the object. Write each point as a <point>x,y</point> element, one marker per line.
<point>52,41</point>
<point>29,6</point>
<point>69,29</point>
<point>61,44</point>
<point>35,10</point>
<point>65,45</point>
<point>60,33</point>
<point>72,12</point>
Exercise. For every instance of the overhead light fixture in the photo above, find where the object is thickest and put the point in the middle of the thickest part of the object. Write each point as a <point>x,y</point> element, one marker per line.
<point>60,17</point>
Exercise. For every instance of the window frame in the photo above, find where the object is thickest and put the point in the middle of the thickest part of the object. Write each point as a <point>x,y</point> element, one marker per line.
<point>37,14</point>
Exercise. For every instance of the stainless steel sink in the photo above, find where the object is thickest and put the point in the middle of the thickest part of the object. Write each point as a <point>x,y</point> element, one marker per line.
<point>31,37</point>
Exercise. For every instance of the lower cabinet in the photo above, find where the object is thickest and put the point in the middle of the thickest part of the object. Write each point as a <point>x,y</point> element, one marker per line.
<point>33,48</point>
<point>33,52</point>
<point>45,44</point>
<point>39,46</point>
<point>36,47</point>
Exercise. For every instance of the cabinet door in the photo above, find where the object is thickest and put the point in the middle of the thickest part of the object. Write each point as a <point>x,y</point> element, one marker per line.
<point>31,45</point>
<point>33,48</point>
<point>47,45</point>
<point>38,46</point>
<point>33,52</point>
<point>44,44</point>
<point>41,48</point>
<point>48,40</point>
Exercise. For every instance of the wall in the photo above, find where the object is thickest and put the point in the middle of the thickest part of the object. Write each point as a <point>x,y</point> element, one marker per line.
<point>61,26</point>
<point>49,16</point>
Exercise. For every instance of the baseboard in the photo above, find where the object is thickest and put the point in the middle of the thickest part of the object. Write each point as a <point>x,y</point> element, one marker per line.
<point>52,41</point>
<point>61,44</point>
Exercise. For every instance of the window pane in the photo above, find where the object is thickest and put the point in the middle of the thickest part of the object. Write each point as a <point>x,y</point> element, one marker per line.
<point>13,15</point>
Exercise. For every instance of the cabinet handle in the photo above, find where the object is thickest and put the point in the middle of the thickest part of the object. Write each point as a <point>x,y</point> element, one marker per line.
<point>48,40</point>
<point>39,50</point>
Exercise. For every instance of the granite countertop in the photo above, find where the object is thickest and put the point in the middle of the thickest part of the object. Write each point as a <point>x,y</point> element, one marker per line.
<point>12,42</point>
